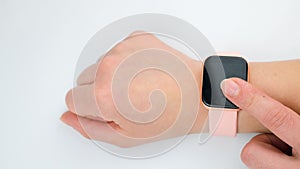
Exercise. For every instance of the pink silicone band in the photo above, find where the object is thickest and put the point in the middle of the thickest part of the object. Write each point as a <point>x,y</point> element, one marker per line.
<point>223,122</point>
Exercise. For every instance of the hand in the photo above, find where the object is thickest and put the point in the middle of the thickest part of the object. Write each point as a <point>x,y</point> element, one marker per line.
<point>278,150</point>
<point>92,106</point>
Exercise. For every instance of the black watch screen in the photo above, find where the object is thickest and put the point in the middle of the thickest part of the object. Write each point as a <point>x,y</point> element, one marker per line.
<point>216,69</point>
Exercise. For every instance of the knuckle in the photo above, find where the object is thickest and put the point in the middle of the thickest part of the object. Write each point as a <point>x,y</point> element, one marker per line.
<point>120,47</point>
<point>102,91</point>
<point>250,97</point>
<point>105,104</point>
<point>107,64</point>
<point>278,119</point>
<point>250,101</point>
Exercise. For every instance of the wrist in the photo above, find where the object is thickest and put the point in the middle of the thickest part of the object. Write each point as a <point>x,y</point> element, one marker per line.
<point>197,68</point>
<point>245,123</point>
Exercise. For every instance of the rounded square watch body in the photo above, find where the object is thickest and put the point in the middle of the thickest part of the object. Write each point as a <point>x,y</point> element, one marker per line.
<point>216,69</point>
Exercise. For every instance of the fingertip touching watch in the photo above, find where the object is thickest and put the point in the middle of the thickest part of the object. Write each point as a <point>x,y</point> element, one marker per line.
<point>222,113</point>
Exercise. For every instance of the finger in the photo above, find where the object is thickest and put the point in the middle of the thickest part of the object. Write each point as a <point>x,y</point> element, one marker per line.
<point>71,119</point>
<point>87,76</point>
<point>107,132</point>
<point>81,100</point>
<point>260,152</point>
<point>277,143</point>
<point>278,118</point>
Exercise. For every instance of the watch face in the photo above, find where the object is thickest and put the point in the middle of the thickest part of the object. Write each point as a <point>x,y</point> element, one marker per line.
<point>216,69</point>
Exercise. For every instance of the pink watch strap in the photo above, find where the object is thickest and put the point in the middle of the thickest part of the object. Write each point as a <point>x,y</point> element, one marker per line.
<point>223,122</point>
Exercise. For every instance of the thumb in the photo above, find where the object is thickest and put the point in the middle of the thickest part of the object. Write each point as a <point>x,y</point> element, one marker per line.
<point>263,151</point>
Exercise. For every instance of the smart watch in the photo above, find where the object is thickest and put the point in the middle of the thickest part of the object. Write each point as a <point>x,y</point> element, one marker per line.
<point>222,113</point>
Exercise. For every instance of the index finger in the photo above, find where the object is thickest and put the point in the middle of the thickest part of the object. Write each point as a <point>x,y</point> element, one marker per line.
<point>281,120</point>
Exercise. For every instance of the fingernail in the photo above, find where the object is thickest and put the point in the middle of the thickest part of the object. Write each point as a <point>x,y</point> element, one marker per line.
<point>229,87</point>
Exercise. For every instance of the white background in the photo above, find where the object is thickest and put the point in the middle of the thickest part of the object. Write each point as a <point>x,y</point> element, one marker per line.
<point>40,42</point>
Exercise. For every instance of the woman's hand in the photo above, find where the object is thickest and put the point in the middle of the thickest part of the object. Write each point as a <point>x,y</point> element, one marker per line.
<point>278,150</point>
<point>93,104</point>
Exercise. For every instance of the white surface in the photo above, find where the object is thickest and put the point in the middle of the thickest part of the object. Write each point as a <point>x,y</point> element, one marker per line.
<point>39,46</point>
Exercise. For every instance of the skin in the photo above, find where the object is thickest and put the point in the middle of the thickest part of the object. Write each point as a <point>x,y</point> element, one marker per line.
<point>120,131</point>
<point>104,122</point>
<point>277,150</point>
